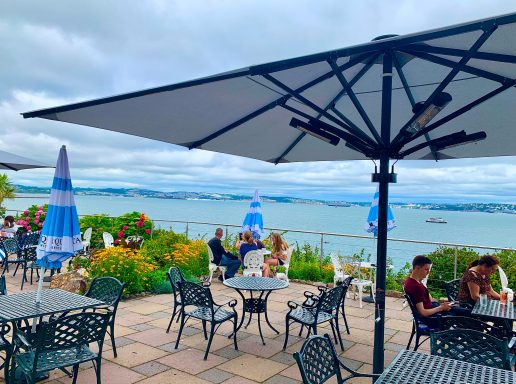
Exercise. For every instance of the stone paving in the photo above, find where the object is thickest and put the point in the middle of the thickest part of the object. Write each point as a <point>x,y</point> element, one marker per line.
<point>146,352</point>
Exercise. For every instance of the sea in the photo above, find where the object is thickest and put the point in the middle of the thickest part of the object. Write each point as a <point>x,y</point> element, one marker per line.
<point>496,230</point>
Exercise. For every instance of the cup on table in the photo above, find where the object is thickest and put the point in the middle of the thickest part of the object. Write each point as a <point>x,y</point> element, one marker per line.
<point>503,297</point>
<point>483,299</point>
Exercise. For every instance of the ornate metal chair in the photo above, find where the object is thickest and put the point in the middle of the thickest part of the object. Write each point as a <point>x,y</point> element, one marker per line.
<point>61,343</point>
<point>10,247</point>
<point>3,286</point>
<point>28,251</point>
<point>419,328</point>
<point>108,290</point>
<point>5,329</point>
<point>353,265</point>
<point>286,265</point>
<point>175,276</point>
<point>472,347</point>
<point>325,309</point>
<point>338,272</point>
<point>253,262</point>
<point>452,288</point>
<point>318,362</point>
<point>197,302</point>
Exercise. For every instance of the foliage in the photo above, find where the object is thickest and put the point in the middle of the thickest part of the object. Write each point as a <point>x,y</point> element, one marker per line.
<point>99,223</point>
<point>127,265</point>
<point>508,264</point>
<point>7,191</point>
<point>32,218</point>
<point>158,249</point>
<point>191,257</point>
<point>132,224</point>
<point>305,264</point>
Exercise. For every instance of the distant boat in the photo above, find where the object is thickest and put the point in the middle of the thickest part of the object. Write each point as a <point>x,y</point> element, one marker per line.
<point>438,220</point>
<point>339,205</point>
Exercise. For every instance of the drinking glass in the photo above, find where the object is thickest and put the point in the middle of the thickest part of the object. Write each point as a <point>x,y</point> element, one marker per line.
<point>503,297</point>
<point>483,299</point>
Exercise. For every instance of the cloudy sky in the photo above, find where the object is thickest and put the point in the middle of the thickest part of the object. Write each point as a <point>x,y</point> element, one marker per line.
<point>58,52</point>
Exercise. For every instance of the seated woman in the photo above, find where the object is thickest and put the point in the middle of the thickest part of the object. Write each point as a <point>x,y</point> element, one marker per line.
<point>247,245</point>
<point>475,280</point>
<point>426,307</point>
<point>9,225</point>
<point>279,250</point>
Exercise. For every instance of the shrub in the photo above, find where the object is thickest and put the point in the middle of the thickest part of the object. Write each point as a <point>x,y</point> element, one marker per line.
<point>159,248</point>
<point>127,265</point>
<point>191,257</point>
<point>508,263</point>
<point>99,223</point>
<point>32,218</point>
<point>132,224</point>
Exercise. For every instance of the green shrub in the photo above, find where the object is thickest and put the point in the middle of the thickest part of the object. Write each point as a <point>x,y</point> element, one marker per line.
<point>99,224</point>
<point>160,247</point>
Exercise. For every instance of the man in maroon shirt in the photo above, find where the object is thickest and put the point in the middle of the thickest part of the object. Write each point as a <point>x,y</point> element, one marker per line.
<point>418,292</point>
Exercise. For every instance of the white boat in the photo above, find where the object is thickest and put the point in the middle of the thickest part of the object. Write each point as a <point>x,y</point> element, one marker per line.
<point>438,220</point>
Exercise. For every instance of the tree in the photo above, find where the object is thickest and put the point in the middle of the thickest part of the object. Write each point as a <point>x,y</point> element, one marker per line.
<point>7,191</point>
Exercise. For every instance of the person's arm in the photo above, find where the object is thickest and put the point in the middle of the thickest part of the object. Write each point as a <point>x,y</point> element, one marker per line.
<point>444,307</point>
<point>474,290</point>
<point>493,294</point>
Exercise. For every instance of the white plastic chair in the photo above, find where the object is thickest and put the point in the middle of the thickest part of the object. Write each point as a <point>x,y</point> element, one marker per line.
<point>212,267</point>
<point>286,264</point>
<point>108,239</point>
<point>253,263</point>
<point>503,278</point>
<point>338,272</point>
<point>358,281</point>
<point>86,239</point>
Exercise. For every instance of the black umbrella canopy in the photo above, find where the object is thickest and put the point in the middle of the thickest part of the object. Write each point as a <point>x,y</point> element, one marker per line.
<point>14,162</point>
<point>419,96</point>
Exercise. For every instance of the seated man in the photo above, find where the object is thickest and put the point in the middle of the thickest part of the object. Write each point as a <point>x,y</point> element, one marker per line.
<point>426,307</point>
<point>223,257</point>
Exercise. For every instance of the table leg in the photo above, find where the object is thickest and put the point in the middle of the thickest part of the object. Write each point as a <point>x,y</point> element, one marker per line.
<point>266,316</point>
<point>243,313</point>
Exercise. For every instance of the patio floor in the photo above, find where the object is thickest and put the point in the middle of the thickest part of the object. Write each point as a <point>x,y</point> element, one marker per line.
<point>146,352</point>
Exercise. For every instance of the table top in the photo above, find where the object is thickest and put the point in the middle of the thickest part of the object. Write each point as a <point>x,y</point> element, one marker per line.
<point>20,306</point>
<point>495,310</point>
<point>410,367</point>
<point>255,283</point>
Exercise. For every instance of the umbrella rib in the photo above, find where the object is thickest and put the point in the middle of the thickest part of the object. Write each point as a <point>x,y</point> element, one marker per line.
<point>271,105</point>
<point>500,57</point>
<point>455,114</point>
<point>452,64</point>
<point>455,70</point>
<point>331,105</point>
<point>354,100</point>
<point>8,167</point>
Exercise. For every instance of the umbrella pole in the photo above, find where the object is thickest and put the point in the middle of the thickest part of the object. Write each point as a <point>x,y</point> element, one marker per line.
<point>40,285</point>
<point>381,257</point>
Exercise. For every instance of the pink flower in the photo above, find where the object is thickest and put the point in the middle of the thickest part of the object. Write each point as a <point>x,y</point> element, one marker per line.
<point>120,234</point>
<point>148,231</point>
<point>36,215</point>
<point>117,241</point>
<point>26,212</point>
<point>40,208</point>
<point>27,218</point>
<point>139,223</point>
<point>36,221</point>
<point>27,227</point>
<point>125,227</point>
<point>40,225</point>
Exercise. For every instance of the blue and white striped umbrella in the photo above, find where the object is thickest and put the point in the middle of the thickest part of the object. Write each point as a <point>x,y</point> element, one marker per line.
<point>371,225</point>
<point>253,219</point>
<point>61,236</point>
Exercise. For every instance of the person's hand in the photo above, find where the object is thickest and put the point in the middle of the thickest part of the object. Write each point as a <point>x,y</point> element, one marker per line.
<point>445,307</point>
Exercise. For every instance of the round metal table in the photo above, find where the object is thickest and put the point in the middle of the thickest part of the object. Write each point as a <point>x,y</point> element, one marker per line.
<point>257,305</point>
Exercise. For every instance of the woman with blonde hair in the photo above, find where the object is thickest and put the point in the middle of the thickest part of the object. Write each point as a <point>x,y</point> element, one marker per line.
<point>247,244</point>
<point>279,251</point>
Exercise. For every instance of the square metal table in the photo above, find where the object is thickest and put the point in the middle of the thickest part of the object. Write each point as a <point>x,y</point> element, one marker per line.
<point>22,306</point>
<point>410,367</point>
<point>494,310</point>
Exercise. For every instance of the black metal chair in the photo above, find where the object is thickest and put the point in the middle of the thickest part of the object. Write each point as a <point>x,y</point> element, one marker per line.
<point>5,329</point>
<point>27,247</point>
<point>326,309</point>
<point>61,343</point>
<point>419,328</point>
<point>10,247</point>
<point>175,276</point>
<point>197,302</point>
<point>3,286</point>
<point>108,290</point>
<point>318,362</point>
<point>471,346</point>
<point>452,288</point>
<point>463,322</point>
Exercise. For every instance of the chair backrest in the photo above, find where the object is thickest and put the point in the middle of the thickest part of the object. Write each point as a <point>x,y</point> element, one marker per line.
<point>3,286</point>
<point>286,262</point>
<point>31,239</point>
<point>452,289</point>
<point>71,331</point>
<point>175,276</point>
<point>503,278</point>
<point>195,294</point>
<point>10,246</point>
<point>351,266</point>
<point>87,234</point>
<point>415,314</point>
<point>108,239</point>
<point>318,361</point>
<point>331,299</point>
<point>210,254</point>
<point>472,347</point>
<point>253,260</point>
<point>463,322</point>
<point>337,263</point>
<point>106,289</point>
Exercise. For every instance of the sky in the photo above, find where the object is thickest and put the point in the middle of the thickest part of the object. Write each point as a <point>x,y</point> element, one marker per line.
<point>59,52</point>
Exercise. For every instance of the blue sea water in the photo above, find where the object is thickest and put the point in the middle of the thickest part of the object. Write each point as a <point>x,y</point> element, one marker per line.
<point>496,230</point>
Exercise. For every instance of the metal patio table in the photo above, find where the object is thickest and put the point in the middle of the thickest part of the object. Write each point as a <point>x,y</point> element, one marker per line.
<point>410,367</point>
<point>257,305</point>
<point>495,311</point>
<point>22,306</point>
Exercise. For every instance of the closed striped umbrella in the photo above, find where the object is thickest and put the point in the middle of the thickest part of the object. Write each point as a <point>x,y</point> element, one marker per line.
<point>253,219</point>
<point>61,236</point>
<point>371,225</point>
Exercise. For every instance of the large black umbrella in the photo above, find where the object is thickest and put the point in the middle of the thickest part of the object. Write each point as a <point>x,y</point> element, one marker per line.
<point>419,96</point>
<point>14,162</point>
